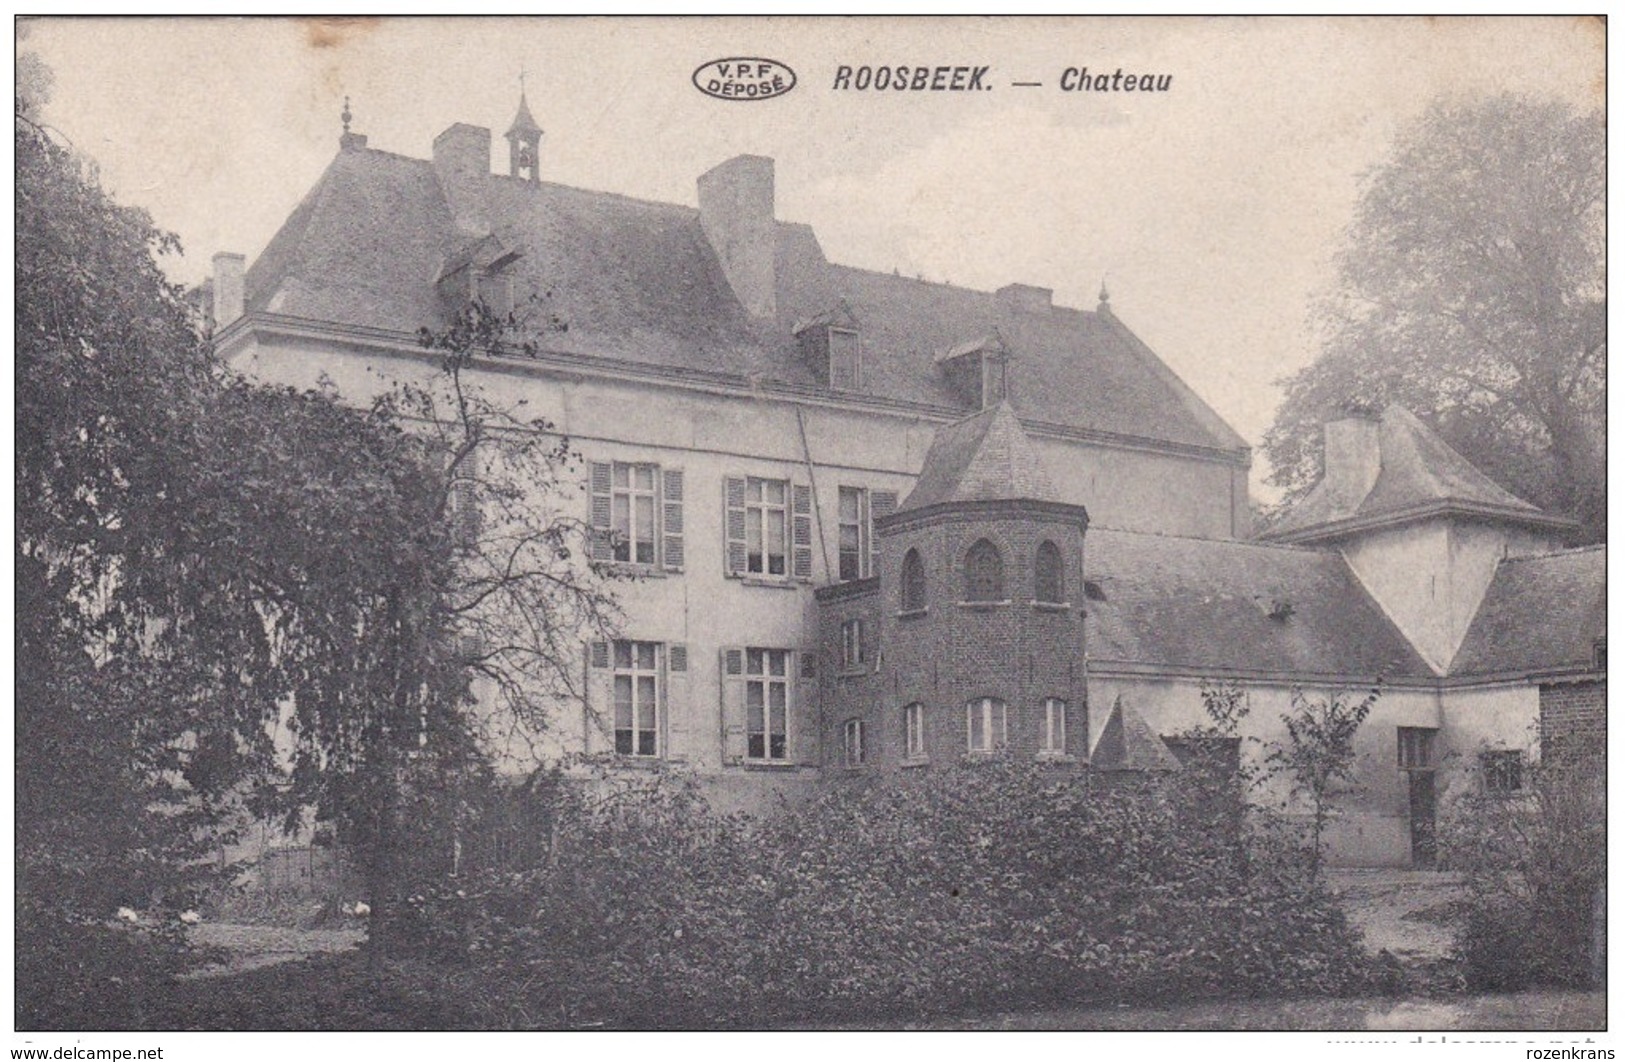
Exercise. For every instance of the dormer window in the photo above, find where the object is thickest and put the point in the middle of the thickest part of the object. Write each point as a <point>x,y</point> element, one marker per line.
<point>830,344</point>
<point>978,371</point>
<point>482,272</point>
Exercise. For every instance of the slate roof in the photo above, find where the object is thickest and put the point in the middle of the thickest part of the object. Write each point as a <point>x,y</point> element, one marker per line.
<point>1208,607</point>
<point>984,457</point>
<point>1127,743</point>
<point>1540,614</point>
<point>638,281</point>
<point>1420,475</point>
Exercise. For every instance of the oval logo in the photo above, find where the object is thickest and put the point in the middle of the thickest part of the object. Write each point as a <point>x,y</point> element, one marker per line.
<point>744,78</point>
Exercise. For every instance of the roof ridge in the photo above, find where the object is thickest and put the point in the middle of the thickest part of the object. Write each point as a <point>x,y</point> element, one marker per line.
<point>1259,543</point>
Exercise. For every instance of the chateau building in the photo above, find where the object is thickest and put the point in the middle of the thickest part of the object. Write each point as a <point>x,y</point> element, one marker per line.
<point>883,523</point>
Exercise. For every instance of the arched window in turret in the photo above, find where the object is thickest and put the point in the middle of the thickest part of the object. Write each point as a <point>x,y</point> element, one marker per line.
<point>984,572</point>
<point>913,580</point>
<point>1049,575</point>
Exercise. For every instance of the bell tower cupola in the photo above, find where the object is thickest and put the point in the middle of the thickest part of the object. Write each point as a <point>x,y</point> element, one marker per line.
<point>524,142</point>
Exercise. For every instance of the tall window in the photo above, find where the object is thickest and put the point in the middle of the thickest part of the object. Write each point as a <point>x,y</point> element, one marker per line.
<point>637,699</point>
<point>633,509</point>
<point>844,367</point>
<point>854,532</point>
<point>851,644</point>
<point>767,703</point>
<point>1049,575</point>
<point>986,727</point>
<point>1416,747</point>
<point>984,572</point>
<point>913,731</point>
<point>1054,726</point>
<point>854,742</point>
<point>913,582</point>
<point>767,516</point>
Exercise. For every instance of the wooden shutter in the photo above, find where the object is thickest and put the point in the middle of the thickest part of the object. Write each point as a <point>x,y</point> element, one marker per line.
<point>881,503</point>
<point>806,744</point>
<point>598,716</point>
<point>679,705</point>
<point>801,538</point>
<point>671,517</point>
<point>731,669</point>
<point>733,501</point>
<point>602,482</point>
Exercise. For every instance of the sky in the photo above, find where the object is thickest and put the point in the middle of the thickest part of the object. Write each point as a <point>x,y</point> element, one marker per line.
<point>1212,211</point>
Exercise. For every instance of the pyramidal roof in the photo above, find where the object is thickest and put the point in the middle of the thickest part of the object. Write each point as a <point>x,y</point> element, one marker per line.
<point>1418,475</point>
<point>984,457</point>
<point>523,122</point>
<point>1127,743</point>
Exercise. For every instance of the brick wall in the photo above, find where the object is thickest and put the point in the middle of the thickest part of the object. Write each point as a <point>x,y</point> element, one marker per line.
<point>1573,719</point>
<point>1015,650</point>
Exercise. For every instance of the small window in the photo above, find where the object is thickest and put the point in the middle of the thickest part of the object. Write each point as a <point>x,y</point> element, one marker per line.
<point>1049,575</point>
<point>854,743</point>
<point>913,582</point>
<point>851,644</point>
<point>1416,748</point>
<point>1502,771</point>
<point>984,572</point>
<point>845,366</point>
<point>637,698</point>
<point>986,725</point>
<point>854,533</point>
<point>1054,727</point>
<point>914,731</point>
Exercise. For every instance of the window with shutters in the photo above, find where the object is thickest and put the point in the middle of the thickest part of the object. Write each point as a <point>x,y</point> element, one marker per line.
<point>637,698</point>
<point>912,579</point>
<point>769,528</point>
<point>767,704</point>
<point>854,743</point>
<point>463,508</point>
<point>637,514</point>
<point>984,572</point>
<point>986,725</point>
<point>913,732</point>
<point>1054,743</point>
<point>1049,575</point>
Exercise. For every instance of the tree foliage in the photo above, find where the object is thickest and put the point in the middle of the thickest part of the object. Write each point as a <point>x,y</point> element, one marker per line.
<point>1471,291</point>
<point>1317,757</point>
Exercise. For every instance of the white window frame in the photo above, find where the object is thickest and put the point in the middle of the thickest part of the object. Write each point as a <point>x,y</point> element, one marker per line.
<point>643,684</point>
<point>761,516</point>
<point>1490,765</point>
<point>852,656</point>
<point>853,744</point>
<point>623,497</point>
<point>914,731</point>
<point>994,715</point>
<point>762,679</point>
<point>1054,727</point>
<point>861,529</point>
<point>1417,755</point>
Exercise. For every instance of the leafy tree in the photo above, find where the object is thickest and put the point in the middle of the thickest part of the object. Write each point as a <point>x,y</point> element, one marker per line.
<point>1471,290</point>
<point>1317,757</point>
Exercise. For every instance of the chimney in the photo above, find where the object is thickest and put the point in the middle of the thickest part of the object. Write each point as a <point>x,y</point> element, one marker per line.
<point>736,214</point>
<point>462,161</point>
<point>228,289</point>
<point>1024,298</point>
<point>1353,457</point>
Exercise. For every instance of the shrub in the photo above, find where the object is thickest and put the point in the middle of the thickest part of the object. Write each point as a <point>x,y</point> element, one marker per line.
<point>1532,863</point>
<point>992,884</point>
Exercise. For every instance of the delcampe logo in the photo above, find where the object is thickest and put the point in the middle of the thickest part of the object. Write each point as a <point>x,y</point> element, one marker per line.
<point>744,78</point>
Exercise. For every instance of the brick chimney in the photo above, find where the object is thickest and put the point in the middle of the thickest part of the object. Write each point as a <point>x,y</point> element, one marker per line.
<point>1353,458</point>
<point>736,215</point>
<point>228,288</point>
<point>462,161</point>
